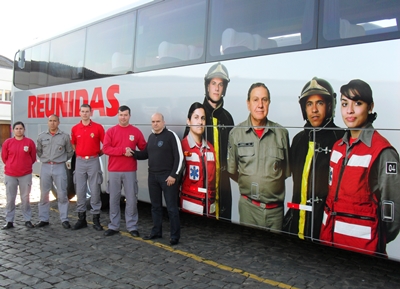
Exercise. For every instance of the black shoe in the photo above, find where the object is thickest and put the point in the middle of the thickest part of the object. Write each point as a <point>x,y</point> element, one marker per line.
<point>66,225</point>
<point>173,241</point>
<point>152,237</point>
<point>29,224</point>
<point>96,223</point>
<point>134,233</point>
<point>79,225</point>
<point>42,224</point>
<point>7,226</point>
<point>110,232</point>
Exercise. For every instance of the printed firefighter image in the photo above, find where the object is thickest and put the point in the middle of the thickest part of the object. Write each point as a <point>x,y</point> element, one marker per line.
<point>198,186</point>
<point>258,159</point>
<point>309,159</point>
<point>362,208</point>
<point>219,123</point>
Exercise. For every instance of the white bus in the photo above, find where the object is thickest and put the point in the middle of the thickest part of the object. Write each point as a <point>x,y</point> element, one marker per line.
<point>153,58</point>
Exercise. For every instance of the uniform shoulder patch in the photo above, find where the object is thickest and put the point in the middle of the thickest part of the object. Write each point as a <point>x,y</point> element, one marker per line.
<point>391,168</point>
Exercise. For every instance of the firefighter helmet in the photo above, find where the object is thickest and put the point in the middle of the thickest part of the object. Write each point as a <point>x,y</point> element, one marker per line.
<point>318,86</point>
<point>217,70</point>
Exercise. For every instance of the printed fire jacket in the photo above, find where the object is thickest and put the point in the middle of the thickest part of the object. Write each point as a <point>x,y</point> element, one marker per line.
<point>309,163</point>
<point>198,187</point>
<point>362,209</point>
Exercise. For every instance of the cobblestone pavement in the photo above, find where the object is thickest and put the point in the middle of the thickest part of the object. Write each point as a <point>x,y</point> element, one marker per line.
<point>211,254</point>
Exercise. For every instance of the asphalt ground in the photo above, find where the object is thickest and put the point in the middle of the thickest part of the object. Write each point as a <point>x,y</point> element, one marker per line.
<point>211,254</point>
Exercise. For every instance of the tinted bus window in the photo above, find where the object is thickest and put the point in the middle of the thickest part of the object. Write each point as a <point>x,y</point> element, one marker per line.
<point>347,22</point>
<point>244,28</point>
<point>39,64</point>
<point>109,48</point>
<point>171,34</point>
<point>66,58</point>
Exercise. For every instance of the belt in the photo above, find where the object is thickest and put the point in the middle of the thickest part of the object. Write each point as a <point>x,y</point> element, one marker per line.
<point>264,205</point>
<point>53,163</point>
<point>87,157</point>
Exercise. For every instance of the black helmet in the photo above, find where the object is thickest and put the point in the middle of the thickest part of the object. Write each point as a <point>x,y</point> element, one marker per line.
<point>318,86</point>
<point>220,71</point>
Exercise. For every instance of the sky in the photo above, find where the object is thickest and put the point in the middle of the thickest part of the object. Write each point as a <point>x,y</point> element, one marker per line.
<point>25,21</point>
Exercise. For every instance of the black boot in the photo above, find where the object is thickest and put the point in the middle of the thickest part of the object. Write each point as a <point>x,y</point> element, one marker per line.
<point>96,223</point>
<point>81,221</point>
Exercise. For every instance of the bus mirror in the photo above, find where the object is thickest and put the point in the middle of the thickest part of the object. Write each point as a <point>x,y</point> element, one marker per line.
<point>21,60</point>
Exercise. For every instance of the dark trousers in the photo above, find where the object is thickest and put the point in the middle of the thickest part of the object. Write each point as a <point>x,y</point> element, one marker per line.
<point>157,185</point>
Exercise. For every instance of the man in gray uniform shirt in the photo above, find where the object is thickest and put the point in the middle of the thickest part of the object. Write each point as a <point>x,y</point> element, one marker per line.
<point>54,149</point>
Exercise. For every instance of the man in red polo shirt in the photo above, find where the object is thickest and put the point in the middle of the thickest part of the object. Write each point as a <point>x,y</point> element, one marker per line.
<point>86,137</point>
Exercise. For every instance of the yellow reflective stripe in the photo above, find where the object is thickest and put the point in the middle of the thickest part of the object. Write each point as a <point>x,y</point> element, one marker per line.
<point>304,188</point>
<point>217,172</point>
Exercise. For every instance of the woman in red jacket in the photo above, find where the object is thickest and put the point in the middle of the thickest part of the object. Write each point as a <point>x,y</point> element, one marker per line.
<point>18,155</point>
<point>198,187</point>
<point>362,208</point>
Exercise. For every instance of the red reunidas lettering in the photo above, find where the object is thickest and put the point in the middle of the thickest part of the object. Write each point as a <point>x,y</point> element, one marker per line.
<point>67,103</point>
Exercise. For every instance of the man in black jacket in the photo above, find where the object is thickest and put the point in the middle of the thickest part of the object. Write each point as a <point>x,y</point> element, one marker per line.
<point>309,159</point>
<point>165,156</point>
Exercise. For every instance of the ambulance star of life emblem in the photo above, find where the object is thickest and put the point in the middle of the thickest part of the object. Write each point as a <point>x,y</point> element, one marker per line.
<point>194,173</point>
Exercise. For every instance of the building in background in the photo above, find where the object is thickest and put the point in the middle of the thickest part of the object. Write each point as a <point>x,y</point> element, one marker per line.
<point>6,71</point>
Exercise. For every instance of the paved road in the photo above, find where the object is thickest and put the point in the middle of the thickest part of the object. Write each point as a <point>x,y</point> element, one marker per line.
<point>211,254</point>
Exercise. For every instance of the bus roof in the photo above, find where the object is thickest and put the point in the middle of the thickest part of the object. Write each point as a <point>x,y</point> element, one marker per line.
<point>132,6</point>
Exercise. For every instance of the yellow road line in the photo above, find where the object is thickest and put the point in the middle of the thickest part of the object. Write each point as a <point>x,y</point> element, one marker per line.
<point>209,262</point>
<point>214,264</point>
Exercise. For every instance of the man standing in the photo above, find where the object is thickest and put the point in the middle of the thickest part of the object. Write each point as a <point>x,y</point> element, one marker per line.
<point>219,123</point>
<point>54,149</point>
<point>309,159</point>
<point>259,152</point>
<point>165,163</point>
<point>119,143</point>
<point>86,137</point>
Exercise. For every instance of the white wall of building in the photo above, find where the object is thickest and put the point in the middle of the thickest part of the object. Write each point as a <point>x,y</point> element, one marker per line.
<point>5,89</point>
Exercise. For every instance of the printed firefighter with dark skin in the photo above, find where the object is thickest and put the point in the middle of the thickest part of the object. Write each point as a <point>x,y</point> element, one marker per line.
<point>198,186</point>
<point>362,208</point>
<point>309,159</point>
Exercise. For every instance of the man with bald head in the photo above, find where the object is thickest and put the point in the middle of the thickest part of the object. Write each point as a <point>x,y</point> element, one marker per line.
<point>165,156</point>
<point>53,149</point>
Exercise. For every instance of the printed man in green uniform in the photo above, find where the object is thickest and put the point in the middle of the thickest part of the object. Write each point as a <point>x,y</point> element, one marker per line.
<point>258,154</point>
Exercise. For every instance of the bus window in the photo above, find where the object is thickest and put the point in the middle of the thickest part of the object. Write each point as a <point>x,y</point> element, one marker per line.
<point>170,34</point>
<point>39,64</point>
<point>109,48</point>
<point>245,28</point>
<point>347,22</point>
<point>66,56</point>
